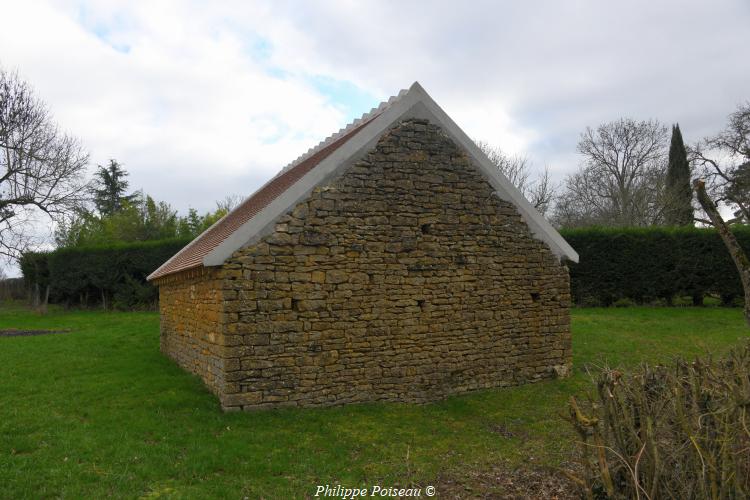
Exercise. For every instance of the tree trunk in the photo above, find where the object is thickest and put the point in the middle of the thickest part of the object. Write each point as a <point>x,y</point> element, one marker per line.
<point>35,297</point>
<point>735,250</point>
<point>43,307</point>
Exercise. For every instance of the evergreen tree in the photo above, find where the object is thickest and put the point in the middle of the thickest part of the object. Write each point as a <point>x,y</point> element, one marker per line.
<point>679,207</point>
<point>110,187</point>
<point>194,224</point>
<point>191,225</point>
<point>121,217</point>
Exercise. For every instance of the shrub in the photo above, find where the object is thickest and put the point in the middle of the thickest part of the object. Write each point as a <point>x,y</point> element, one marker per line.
<point>680,431</point>
<point>110,276</point>
<point>652,264</point>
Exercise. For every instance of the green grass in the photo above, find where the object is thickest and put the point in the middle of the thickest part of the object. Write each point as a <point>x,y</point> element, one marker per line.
<point>100,411</point>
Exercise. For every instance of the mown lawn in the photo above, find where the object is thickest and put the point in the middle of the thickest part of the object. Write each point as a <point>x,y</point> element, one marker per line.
<point>99,411</point>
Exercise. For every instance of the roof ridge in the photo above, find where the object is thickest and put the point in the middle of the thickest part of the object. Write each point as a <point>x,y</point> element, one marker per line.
<point>343,131</point>
<point>215,244</point>
<point>311,155</point>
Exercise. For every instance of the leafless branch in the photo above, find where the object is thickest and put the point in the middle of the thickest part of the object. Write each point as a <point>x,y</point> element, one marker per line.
<point>622,176</point>
<point>723,162</point>
<point>41,168</point>
<point>540,192</point>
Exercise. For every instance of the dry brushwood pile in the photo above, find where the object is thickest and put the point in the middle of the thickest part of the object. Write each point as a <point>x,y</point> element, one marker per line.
<point>680,431</point>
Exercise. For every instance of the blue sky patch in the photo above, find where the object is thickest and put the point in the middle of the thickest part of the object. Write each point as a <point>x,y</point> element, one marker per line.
<point>353,100</point>
<point>104,30</point>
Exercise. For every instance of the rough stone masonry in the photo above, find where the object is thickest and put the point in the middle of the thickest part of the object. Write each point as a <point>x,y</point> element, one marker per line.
<point>404,279</point>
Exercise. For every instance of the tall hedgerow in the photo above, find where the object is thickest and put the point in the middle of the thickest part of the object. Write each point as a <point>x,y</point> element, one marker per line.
<point>648,264</point>
<point>110,276</point>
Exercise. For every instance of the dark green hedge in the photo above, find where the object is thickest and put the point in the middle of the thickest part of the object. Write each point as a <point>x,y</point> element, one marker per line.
<point>638,264</point>
<point>109,276</point>
<point>649,264</point>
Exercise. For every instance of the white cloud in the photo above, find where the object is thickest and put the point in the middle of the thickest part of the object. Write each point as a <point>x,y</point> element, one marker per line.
<point>188,108</point>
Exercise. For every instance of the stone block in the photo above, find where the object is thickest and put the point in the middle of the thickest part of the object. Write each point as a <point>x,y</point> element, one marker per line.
<point>336,276</point>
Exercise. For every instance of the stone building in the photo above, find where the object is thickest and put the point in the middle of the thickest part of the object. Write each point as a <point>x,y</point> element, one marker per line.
<point>392,262</point>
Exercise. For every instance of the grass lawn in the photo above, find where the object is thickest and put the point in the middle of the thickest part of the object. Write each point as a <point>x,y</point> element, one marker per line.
<point>99,411</point>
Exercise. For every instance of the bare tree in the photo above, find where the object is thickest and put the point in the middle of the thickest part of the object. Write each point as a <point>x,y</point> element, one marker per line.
<point>622,179</point>
<point>730,241</point>
<point>517,168</point>
<point>41,169</point>
<point>724,162</point>
<point>229,202</point>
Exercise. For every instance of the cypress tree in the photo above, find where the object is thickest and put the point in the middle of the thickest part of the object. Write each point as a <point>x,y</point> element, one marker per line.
<point>679,193</point>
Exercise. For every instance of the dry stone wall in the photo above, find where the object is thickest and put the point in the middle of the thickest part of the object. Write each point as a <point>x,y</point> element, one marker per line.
<point>192,321</point>
<point>404,279</point>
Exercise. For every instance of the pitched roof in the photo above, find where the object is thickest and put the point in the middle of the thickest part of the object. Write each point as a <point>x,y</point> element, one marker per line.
<point>192,254</point>
<point>255,216</point>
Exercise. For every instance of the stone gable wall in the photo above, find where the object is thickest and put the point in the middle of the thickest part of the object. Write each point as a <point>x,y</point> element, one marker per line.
<point>405,279</point>
<point>192,323</point>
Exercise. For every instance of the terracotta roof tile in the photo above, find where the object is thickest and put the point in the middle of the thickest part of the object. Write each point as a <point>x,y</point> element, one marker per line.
<point>192,255</point>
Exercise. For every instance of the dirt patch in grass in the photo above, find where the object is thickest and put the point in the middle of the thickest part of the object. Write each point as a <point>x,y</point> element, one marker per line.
<point>506,483</point>
<point>13,332</point>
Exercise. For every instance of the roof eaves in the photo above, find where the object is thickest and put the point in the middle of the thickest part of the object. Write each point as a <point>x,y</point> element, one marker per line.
<point>538,225</point>
<point>374,124</point>
<point>342,132</point>
<point>362,131</point>
<point>165,269</point>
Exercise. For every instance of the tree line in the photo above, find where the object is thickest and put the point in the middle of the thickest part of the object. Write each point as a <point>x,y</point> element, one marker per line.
<point>637,174</point>
<point>110,214</point>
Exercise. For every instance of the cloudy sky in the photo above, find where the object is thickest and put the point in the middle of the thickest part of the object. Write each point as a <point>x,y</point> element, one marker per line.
<point>203,99</point>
